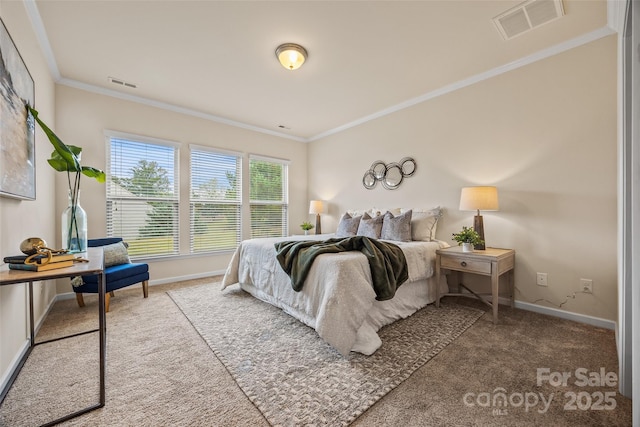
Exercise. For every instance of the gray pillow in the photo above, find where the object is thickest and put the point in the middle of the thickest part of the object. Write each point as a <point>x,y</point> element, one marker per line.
<point>397,228</point>
<point>370,227</point>
<point>115,254</point>
<point>348,225</point>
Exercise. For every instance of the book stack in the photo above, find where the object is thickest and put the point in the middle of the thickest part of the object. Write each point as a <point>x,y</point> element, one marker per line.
<point>57,261</point>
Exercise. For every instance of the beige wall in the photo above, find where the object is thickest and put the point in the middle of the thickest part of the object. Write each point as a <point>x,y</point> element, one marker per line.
<point>81,119</point>
<point>21,219</point>
<point>544,134</point>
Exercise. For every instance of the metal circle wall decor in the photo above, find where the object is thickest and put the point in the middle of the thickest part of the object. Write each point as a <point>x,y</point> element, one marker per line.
<point>393,177</point>
<point>379,170</point>
<point>369,180</point>
<point>390,175</point>
<point>408,166</point>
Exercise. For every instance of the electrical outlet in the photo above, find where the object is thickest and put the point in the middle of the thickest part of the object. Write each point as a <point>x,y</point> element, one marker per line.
<point>541,279</point>
<point>586,285</point>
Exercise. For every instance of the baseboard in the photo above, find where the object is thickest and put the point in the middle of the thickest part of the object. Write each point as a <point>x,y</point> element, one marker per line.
<point>72,295</point>
<point>13,365</point>
<point>38,322</point>
<point>15,362</point>
<point>187,277</point>
<point>576,317</point>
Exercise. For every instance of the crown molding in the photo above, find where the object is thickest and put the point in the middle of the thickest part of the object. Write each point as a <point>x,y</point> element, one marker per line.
<point>616,14</point>
<point>540,55</point>
<point>41,34</point>
<point>170,107</point>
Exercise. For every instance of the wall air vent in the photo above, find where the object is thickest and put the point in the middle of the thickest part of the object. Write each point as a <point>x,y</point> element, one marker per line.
<point>527,16</point>
<point>121,82</point>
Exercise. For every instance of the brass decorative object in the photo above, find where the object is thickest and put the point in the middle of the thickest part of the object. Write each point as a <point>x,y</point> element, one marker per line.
<point>31,245</point>
<point>35,247</point>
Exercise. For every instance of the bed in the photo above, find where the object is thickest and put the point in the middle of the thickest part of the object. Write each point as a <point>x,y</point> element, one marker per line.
<point>337,298</point>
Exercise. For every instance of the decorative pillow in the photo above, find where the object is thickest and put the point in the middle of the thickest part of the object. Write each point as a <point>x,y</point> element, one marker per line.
<point>394,211</point>
<point>115,254</point>
<point>424,223</point>
<point>355,212</point>
<point>373,212</point>
<point>397,228</point>
<point>348,225</point>
<point>370,227</point>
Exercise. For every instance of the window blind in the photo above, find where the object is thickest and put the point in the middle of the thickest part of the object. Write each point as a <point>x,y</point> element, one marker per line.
<point>142,194</point>
<point>215,200</point>
<point>268,197</point>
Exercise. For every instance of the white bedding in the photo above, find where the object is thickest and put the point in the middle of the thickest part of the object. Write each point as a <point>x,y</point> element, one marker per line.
<point>337,298</point>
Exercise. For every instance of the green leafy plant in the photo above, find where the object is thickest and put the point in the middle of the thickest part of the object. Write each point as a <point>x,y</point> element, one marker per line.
<point>467,235</point>
<point>66,158</point>
<point>306,226</point>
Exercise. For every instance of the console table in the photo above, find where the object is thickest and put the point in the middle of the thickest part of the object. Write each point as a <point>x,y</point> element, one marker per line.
<point>94,266</point>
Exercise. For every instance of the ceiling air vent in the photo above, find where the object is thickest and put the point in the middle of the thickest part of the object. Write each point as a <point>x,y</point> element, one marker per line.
<point>121,82</point>
<point>527,16</point>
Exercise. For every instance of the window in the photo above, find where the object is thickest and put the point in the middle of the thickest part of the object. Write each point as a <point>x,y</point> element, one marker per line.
<point>215,200</point>
<point>142,194</point>
<point>268,196</point>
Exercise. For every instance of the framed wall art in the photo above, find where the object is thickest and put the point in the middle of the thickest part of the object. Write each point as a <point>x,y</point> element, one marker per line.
<point>17,127</point>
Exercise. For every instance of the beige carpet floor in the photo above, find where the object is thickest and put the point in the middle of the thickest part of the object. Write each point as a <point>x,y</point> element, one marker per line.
<point>161,373</point>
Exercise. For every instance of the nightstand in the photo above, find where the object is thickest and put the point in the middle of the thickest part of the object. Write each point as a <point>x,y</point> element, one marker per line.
<point>491,262</point>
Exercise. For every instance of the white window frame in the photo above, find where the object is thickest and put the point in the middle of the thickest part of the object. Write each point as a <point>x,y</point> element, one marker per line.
<point>285,197</point>
<point>112,199</point>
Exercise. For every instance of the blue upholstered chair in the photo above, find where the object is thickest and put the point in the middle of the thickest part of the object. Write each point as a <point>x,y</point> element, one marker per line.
<point>117,276</point>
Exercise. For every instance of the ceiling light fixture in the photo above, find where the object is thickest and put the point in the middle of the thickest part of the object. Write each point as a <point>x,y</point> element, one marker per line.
<point>291,55</point>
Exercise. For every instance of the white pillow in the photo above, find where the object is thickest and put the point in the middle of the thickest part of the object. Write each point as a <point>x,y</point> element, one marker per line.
<point>382,211</point>
<point>372,212</point>
<point>424,223</point>
<point>355,212</point>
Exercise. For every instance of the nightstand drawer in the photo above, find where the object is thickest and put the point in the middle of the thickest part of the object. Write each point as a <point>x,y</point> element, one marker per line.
<point>465,264</point>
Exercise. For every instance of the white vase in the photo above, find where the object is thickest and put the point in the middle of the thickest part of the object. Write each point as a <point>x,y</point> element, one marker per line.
<point>74,227</point>
<point>467,247</point>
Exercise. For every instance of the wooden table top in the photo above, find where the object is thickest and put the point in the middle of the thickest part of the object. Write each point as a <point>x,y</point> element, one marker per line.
<point>94,266</point>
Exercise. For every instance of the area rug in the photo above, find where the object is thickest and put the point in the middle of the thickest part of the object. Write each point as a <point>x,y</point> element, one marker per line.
<point>295,378</point>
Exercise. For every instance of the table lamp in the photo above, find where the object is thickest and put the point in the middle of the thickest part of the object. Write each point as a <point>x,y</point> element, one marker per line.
<point>479,199</point>
<point>317,207</point>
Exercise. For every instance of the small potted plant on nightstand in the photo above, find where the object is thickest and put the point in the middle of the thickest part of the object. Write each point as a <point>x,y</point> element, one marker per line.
<point>468,238</point>
<point>306,226</point>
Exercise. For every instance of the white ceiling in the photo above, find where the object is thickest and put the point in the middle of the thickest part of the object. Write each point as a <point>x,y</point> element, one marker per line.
<point>216,59</point>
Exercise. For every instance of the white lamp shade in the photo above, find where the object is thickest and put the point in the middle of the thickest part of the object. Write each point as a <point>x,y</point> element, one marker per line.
<point>479,198</point>
<point>316,207</point>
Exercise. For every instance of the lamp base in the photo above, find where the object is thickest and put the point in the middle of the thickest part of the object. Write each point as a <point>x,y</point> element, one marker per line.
<point>478,226</point>
<point>318,228</point>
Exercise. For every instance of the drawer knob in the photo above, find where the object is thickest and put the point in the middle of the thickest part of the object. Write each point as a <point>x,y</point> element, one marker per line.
<point>463,263</point>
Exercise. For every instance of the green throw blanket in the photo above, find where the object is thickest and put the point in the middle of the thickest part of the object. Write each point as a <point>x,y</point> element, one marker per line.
<point>387,261</point>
